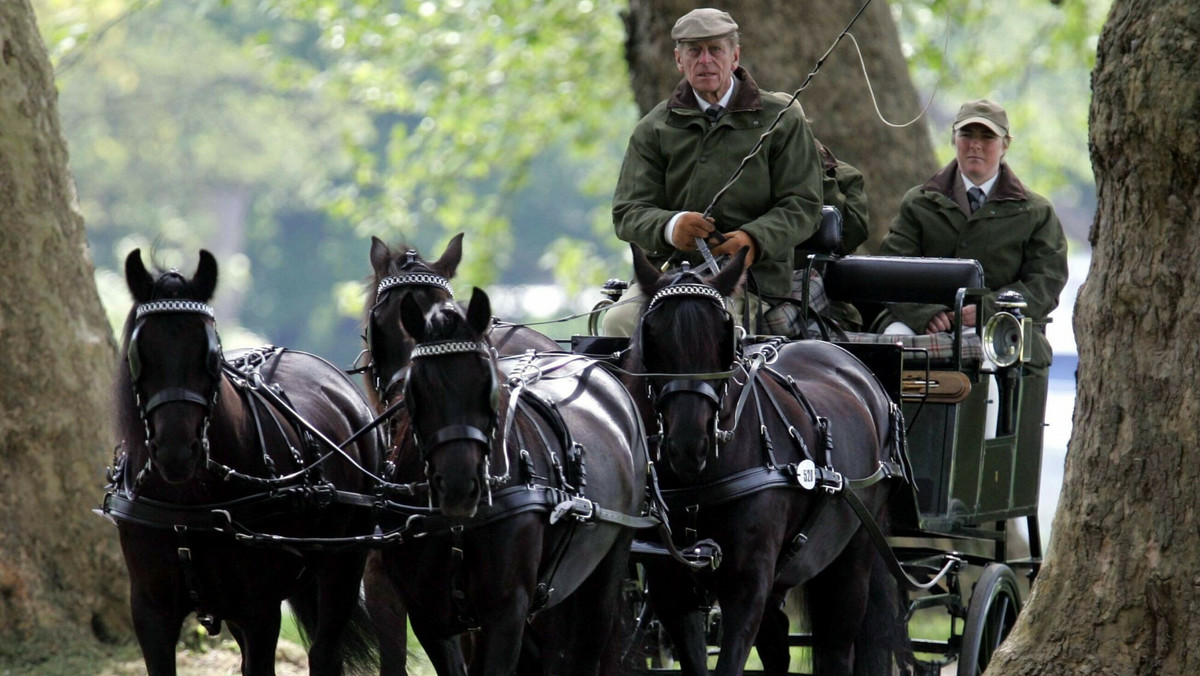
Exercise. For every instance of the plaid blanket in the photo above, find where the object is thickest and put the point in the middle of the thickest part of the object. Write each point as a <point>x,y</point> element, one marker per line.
<point>939,346</point>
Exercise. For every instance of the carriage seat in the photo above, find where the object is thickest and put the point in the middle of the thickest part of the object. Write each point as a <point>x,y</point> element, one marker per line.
<point>896,279</point>
<point>900,279</point>
<point>826,240</point>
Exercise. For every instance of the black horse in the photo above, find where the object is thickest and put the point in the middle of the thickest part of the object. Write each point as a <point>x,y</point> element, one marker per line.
<point>398,273</point>
<point>757,451</point>
<point>536,479</point>
<point>401,272</point>
<point>225,473</point>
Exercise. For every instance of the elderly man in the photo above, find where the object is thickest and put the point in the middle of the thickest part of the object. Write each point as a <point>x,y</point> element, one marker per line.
<point>975,207</point>
<point>683,153</point>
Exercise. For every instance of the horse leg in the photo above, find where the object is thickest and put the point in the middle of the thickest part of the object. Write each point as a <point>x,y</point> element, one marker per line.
<point>339,630</point>
<point>157,630</point>
<point>677,607</point>
<point>444,653</point>
<point>837,604</point>
<point>772,639</point>
<point>498,645</point>
<point>596,648</point>
<point>743,594</point>
<point>884,635</point>
<point>387,612</point>
<point>259,635</point>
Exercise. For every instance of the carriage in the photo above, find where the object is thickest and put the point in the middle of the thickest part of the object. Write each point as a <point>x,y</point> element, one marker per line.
<point>974,420</point>
<point>971,465</point>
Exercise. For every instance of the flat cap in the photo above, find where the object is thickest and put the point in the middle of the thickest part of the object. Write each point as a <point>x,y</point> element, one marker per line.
<point>982,111</point>
<point>705,23</point>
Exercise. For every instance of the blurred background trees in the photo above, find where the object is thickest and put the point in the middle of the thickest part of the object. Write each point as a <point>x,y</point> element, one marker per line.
<point>282,134</point>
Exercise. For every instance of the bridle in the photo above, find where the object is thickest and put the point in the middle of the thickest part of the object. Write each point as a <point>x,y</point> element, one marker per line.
<point>409,276</point>
<point>698,383</point>
<point>176,394</point>
<point>457,432</point>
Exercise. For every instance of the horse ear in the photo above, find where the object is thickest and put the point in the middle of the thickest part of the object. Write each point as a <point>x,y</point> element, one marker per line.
<point>730,278</point>
<point>643,270</point>
<point>204,282</point>
<point>451,257</point>
<point>380,255</point>
<point>139,281</point>
<point>412,318</point>
<point>479,312</point>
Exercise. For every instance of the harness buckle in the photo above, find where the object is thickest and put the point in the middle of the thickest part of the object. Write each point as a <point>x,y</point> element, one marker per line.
<point>581,508</point>
<point>834,487</point>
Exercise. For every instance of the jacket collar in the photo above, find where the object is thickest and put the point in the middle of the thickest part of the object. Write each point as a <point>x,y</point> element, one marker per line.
<point>1007,187</point>
<point>746,96</point>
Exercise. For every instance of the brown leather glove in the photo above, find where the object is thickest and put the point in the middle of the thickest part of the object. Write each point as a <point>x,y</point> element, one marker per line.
<point>690,226</point>
<point>734,241</point>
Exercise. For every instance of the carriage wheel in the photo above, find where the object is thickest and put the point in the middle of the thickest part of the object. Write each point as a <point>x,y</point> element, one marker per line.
<point>995,602</point>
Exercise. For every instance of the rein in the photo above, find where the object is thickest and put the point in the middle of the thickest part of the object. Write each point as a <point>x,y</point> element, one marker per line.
<point>775,123</point>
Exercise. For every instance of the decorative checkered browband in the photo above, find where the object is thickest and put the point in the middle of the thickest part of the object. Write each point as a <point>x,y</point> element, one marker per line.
<point>448,347</point>
<point>164,306</point>
<point>415,279</point>
<point>700,290</point>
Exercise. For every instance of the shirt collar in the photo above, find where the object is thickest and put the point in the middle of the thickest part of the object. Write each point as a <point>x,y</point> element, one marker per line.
<point>724,102</point>
<point>986,186</point>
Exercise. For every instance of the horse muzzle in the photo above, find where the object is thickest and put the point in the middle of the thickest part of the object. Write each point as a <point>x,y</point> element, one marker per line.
<point>177,463</point>
<point>688,455</point>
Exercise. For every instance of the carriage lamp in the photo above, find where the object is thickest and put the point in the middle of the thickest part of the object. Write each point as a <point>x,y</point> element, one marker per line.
<point>1007,338</point>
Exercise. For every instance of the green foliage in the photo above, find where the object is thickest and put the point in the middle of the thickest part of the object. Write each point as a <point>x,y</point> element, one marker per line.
<point>475,93</point>
<point>1033,56</point>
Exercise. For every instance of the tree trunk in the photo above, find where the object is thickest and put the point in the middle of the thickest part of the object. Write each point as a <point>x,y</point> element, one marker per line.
<point>60,568</point>
<point>782,41</point>
<point>1120,592</point>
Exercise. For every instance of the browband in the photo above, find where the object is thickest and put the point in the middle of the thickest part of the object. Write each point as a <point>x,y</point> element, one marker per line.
<point>415,279</point>
<point>174,305</point>
<point>701,290</point>
<point>448,347</point>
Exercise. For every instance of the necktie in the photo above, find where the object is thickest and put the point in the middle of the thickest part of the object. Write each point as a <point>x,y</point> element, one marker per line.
<point>975,199</point>
<point>714,112</point>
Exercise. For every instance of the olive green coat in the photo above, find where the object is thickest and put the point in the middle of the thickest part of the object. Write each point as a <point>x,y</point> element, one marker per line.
<point>845,188</point>
<point>678,160</point>
<point>1015,236</point>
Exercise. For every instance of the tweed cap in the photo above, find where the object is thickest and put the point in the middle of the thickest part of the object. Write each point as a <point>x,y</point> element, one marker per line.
<point>705,23</point>
<point>982,111</point>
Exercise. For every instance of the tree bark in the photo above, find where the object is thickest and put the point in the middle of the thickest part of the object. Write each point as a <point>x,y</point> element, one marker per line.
<point>781,42</point>
<point>1120,592</point>
<point>60,567</point>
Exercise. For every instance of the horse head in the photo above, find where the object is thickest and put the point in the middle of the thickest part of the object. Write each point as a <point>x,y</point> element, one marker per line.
<point>400,274</point>
<point>173,356</point>
<point>685,329</point>
<point>452,396</point>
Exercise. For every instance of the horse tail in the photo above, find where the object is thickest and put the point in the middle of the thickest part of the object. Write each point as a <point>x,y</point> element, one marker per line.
<point>358,644</point>
<point>884,636</point>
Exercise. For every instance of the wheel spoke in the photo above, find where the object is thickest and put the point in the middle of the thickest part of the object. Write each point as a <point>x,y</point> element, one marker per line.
<point>999,631</point>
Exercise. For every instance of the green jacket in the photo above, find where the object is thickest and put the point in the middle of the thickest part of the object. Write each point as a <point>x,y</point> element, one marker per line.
<point>1015,236</point>
<point>677,160</point>
<point>845,188</point>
